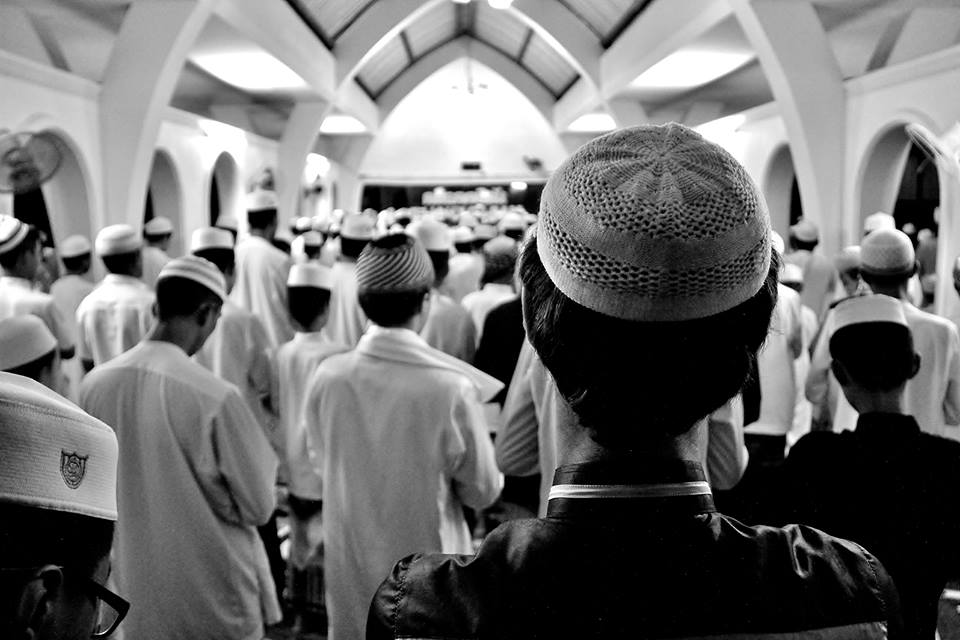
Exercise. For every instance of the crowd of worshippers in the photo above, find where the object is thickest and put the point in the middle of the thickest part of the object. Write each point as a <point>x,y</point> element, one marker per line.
<point>480,422</point>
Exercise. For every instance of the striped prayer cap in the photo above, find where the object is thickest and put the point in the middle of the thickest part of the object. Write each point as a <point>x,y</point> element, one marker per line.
<point>394,263</point>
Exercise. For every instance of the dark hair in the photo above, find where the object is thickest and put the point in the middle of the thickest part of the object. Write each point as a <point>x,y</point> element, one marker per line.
<point>34,368</point>
<point>464,247</point>
<point>391,309</point>
<point>77,264</point>
<point>122,264</point>
<point>156,237</point>
<point>351,247</point>
<point>630,382</point>
<point>224,258</point>
<point>312,252</point>
<point>307,303</point>
<point>802,245</point>
<point>441,264</point>
<point>857,348</point>
<point>262,218</point>
<point>9,259</point>
<point>886,281</point>
<point>180,297</point>
<point>516,234</point>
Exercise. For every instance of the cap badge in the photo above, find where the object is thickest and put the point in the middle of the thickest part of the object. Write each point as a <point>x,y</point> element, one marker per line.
<point>72,468</point>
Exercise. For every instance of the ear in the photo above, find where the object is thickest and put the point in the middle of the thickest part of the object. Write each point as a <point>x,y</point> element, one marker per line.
<point>840,373</point>
<point>38,600</point>
<point>916,365</point>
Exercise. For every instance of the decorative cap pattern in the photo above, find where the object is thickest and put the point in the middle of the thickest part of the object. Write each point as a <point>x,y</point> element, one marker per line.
<point>198,269</point>
<point>394,263</point>
<point>654,223</point>
<point>12,233</point>
<point>887,252</point>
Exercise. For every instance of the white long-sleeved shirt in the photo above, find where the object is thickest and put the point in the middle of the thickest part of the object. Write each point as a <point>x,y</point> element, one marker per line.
<point>450,328</point>
<point>154,260</point>
<point>479,303</point>
<point>113,318</point>
<point>347,321</point>
<point>261,286</point>
<point>18,297</point>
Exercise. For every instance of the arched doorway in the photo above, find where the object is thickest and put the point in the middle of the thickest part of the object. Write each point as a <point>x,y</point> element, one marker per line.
<point>164,197</point>
<point>224,189</point>
<point>781,191</point>
<point>882,172</point>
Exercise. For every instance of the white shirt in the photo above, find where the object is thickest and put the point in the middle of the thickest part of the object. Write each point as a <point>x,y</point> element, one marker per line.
<point>113,318</point>
<point>195,477</point>
<point>449,328</point>
<point>347,320</point>
<point>397,432</point>
<point>68,292</point>
<point>154,259</point>
<point>18,297</point>
<point>463,277</point>
<point>479,303</point>
<point>261,286</point>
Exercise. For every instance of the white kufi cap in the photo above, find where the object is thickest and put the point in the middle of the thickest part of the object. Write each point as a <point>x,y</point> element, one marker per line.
<point>433,235</point>
<point>158,226</point>
<point>12,233</point>
<point>310,275</point>
<point>261,200</point>
<point>887,252</point>
<point>210,238</point>
<point>199,270</point>
<point>116,239</point>
<point>24,339</point>
<point>878,220</point>
<point>403,265</point>
<point>805,231</point>
<point>868,308</point>
<point>74,246</point>
<point>357,226</point>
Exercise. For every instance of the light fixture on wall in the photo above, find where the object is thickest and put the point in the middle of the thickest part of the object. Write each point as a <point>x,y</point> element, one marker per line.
<point>251,70</point>
<point>316,167</point>
<point>341,123</point>
<point>593,123</point>
<point>690,68</point>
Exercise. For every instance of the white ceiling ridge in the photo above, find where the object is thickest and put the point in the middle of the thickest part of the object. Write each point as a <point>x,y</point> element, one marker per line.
<point>21,68</point>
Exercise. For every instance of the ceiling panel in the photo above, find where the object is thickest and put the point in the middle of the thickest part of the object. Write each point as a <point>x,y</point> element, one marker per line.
<point>331,17</point>
<point>545,63</point>
<point>602,16</point>
<point>436,26</point>
<point>389,62</point>
<point>500,29</point>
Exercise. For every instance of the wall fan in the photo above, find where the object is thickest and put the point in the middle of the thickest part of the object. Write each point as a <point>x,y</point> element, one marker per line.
<point>27,160</point>
<point>945,149</point>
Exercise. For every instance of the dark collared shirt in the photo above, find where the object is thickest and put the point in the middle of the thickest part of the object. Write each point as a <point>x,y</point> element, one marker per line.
<point>636,549</point>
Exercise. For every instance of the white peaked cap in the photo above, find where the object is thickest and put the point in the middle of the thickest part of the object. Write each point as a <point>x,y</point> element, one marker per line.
<point>312,238</point>
<point>261,200</point>
<point>158,226</point>
<point>210,238</point>
<point>887,252</point>
<point>198,269</point>
<point>805,231</point>
<point>463,235</point>
<point>75,246</point>
<point>23,339</point>
<point>433,235</point>
<point>227,222</point>
<point>869,308</point>
<point>512,221</point>
<point>303,223</point>
<point>791,274</point>
<point>116,239</point>
<point>357,226</point>
<point>12,233</point>
<point>878,220</point>
<point>776,240</point>
<point>310,275</point>
<point>55,456</point>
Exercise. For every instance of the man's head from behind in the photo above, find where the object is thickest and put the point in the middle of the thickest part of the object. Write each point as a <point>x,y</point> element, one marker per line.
<point>190,295</point>
<point>887,261</point>
<point>394,276</point>
<point>308,295</point>
<point>57,513</point>
<point>20,252</point>
<point>216,245</point>
<point>118,246</point>
<point>649,285</point>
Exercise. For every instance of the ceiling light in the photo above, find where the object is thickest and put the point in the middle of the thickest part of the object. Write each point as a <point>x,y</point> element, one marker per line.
<point>593,123</point>
<point>315,167</point>
<point>252,70</point>
<point>690,68</point>
<point>341,123</point>
<point>461,1</point>
<point>518,186</point>
<point>499,4</point>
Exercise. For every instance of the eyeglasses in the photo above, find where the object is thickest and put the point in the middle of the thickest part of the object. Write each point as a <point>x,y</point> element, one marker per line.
<point>111,608</point>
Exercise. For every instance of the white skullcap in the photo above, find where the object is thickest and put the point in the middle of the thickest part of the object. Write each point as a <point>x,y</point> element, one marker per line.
<point>805,231</point>
<point>24,339</point>
<point>261,200</point>
<point>530,218</point>
<point>303,223</point>
<point>467,219</point>
<point>319,223</point>
<point>12,233</point>
<point>909,229</point>
<point>776,241</point>
<point>887,252</point>
<point>878,220</point>
<point>116,239</point>
<point>848,258</point>
<point>357,226</point>
<point>55,456</point>
<point>74,246</point>
<point>925,235</point>
<point>210,238</point>
<point>158,226</point>
<point>401,266</point>
<point>791,274</point>
<point>310,275</point>
<point>198,269</point>
<point>462,235</point>
<point>485,232</point>
<point>396,227</point>
<point>284,234</point>
<point>227,222</point>
<point>312,239</point>
<point>512,222</point>
<point>868,308</point>
<point>433,235</point>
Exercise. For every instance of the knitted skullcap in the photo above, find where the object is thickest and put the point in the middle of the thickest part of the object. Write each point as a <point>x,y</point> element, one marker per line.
<point>394,263</point>
<point>776,241</point>
<point>433,235</point>
<point>791,274</point>
<point>74,247</point>
<point>158,226</point>
<point>55,456</point>
<point>261,200</point>
<point>24,339</point>
<point>462,235</point>
<point>12,233</point>
<point>887,252</point>
<point>198,269</point>
<point>654,223</point>
<point>868,308</point>
<point>878,220</point>
<point>116,239</point>
<point>210,238</point>
<point>847,259</point>
<point>805,231</point>
<point>499,257</point>
<point>357,226</point>
<point>310,275</point>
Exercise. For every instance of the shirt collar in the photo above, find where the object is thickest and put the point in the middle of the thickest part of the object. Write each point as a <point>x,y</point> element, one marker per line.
<point>311,336</point>
<point>887,424</point>
<point>623,487</point>
<point>121,278</point>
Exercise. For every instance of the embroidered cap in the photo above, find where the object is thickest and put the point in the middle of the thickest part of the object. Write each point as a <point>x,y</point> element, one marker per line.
<point>654,223</point>
<point>158,226</point>
<point>433,235</point>
<point>805,231</point>
<point>210,238</point>
<point>887,252</point>
<point>394,263</point>
<point>847,259</point>
<point>116,239</point>
<point>12,233</point>
<point>55,456</point>
<point>868,308</point>
<point>24,339</point>
<point>74,247</point>
<point>199,270</point>
<point>310,275</point>
<point>878,220</point>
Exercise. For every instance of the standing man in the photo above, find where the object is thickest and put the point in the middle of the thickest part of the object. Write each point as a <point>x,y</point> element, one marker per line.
<point>819,275</point>
<point>157,233</point>
<point>347,320</point>
<point>68,292</point>
<point>196,475</point>
<point>261,282</point>
<point>499,261</point>
<point>119,312</point>
<point>398,437</point>
<point>647,292</point>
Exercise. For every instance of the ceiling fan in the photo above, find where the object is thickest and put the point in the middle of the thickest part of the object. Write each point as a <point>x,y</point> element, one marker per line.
<point>27,160</point>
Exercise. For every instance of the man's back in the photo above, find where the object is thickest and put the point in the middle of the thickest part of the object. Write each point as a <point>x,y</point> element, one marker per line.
<point>261,286</point>
<point>450,328</point>
<point>347,320</point>
<point>616,566</point>
<point>933,396</point>
<point>113,318</point>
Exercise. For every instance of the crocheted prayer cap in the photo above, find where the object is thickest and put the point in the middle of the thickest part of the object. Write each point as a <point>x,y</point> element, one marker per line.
<point>394,263</point>
<point>887,252</point>
<point>654,223</point>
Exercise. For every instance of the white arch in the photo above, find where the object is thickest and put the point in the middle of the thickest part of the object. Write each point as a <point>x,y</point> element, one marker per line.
<point>167,195</point>
<point>229,189</point>
<point>778,181</point>
<point>68,194</point>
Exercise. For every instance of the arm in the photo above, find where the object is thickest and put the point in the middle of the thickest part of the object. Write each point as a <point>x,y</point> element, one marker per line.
<point>517,445</point>
<point>470,459</point>
<point>61,331</point>
<point>726,452</point>
<point>951,401</point>
<point>305,449</point>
